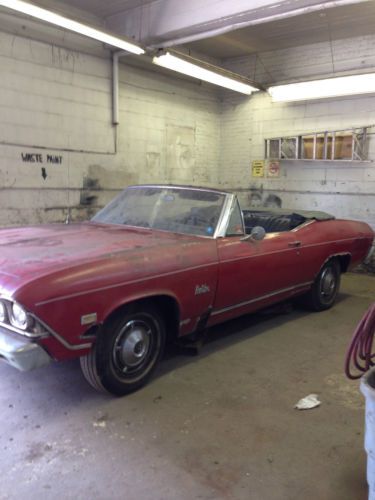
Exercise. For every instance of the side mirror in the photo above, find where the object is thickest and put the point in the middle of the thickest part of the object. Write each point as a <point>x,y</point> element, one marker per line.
<point>257,234</point>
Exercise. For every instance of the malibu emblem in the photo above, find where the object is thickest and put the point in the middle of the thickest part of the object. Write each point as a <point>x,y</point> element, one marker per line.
<point>199,289</point>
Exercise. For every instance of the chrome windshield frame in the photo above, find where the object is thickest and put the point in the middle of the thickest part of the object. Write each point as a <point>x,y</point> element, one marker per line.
<point>230,203</point>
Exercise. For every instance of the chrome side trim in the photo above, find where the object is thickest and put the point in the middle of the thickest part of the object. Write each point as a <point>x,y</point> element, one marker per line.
<point>293,249</point>
<point>24,333</point>
<point>41,335</point>
<point>148,278</point>
<point>124,283</point>
<point>304,224</point>
<point>258,299</point>
<point>65,343</point>
<point>332,241</point>
<point>185,322</point>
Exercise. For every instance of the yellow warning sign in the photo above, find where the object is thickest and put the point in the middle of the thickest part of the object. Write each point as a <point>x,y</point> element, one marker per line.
<point>258,168</point>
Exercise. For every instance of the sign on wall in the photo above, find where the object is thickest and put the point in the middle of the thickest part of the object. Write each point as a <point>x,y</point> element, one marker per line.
<point>40,158</point>
<point>258,168</point>
<point>273,168</point>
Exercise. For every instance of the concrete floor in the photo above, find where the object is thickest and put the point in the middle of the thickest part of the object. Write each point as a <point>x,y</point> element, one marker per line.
<point>217,426</point>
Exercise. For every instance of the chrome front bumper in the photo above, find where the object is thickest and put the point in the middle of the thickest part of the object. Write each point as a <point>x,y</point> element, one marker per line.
<point>21,353</point>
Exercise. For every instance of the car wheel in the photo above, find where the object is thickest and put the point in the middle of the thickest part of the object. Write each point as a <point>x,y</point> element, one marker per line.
<point>325,287</point>
<point>126,352</point>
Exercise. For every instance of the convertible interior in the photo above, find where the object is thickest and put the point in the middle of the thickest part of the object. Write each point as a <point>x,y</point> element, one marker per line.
<point>275,221</point>
<point>202,220</point>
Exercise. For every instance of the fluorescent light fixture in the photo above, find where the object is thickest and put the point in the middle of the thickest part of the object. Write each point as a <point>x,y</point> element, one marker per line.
<point>320,89</point>
<point>181,65</point>
<point>69,24</point>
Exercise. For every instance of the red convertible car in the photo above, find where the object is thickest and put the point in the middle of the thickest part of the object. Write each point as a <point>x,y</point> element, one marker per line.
<point>158,263</point>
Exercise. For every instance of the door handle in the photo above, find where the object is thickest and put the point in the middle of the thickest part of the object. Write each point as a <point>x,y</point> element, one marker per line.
<point>294,244</point>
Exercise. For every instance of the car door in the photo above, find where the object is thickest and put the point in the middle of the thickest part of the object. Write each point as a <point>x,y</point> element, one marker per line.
<point>253,273</point>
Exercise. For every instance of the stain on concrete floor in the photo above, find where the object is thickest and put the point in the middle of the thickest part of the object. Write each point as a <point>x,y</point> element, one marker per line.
<point>217,426</point>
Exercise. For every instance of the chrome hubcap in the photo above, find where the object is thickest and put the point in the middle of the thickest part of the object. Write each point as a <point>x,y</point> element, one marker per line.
<point>328,283</point>
<point>132,345</point>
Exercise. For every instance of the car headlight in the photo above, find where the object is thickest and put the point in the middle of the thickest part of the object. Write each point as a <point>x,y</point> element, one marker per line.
<point>3,312</point>
<point>18,317</point>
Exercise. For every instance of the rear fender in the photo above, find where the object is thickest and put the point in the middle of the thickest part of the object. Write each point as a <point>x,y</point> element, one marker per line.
<point>344,259</point>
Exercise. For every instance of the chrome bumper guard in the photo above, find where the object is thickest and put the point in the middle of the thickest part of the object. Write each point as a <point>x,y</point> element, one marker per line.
<point>20,352</point>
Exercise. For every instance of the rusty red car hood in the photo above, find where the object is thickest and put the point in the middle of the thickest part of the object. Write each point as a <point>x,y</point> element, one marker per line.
<point>28,253</point>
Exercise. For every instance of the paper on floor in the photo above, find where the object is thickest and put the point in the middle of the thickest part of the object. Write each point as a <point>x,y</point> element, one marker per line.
<point>308,402</point>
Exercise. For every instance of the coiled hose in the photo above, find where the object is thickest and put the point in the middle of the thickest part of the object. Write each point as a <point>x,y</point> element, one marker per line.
<point>360,356</point>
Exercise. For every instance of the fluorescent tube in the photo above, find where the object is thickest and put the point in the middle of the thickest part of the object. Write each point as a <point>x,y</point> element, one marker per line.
<point>180,65</point>
<point>319,89</point>
<point>69,24</point>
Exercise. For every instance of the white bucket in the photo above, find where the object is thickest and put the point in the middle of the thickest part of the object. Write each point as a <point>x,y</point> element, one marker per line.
<point>368,390</point>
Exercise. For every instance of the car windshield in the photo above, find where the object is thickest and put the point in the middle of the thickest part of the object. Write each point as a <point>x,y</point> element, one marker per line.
<point>180,210</point>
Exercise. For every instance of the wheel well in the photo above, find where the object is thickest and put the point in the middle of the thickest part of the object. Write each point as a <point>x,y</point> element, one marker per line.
<point>344,261</point>
<point>167,307</point>
<point>170,311</point>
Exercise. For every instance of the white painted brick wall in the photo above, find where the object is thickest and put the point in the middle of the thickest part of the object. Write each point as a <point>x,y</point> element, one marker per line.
<point>60,99</point>
<point>346,189</point>
<point>170,130</point>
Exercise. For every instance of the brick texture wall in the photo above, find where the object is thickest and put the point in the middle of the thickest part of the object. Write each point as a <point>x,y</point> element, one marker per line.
<point>344,188</point>
<point>57,102</point>
<point>60,153</point>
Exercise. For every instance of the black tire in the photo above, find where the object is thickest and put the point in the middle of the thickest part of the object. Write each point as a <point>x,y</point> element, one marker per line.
<point>323,292</point>
<point>126,351</point>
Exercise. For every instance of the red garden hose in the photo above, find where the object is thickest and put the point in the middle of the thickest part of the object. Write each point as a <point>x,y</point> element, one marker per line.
<point>360,355</point>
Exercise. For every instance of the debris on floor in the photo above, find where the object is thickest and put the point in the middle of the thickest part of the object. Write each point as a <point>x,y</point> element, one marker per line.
<point>101,421</point>
<point>308,403</point>
<point>99,424</point>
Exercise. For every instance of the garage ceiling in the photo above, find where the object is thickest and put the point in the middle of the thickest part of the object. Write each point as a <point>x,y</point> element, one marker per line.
<point>233,29</point>
<point>330,24</point>
<point>155,22</point>
<point>105,8</point>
